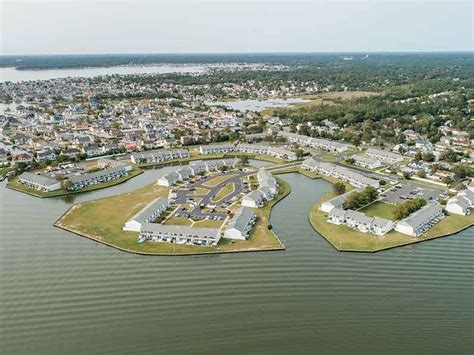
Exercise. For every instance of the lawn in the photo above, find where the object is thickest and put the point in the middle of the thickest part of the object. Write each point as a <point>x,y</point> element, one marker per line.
<point>201,191</point>
<point>344,238</point>
<point>15,185</point>
<point>208,223</point>
<point>217,180</point>
<point>180,221</point>
<point>379,209</point>
<point>102,220</point>
<point>225,191</point>
<point>328,158</point>
<point>297,169</point>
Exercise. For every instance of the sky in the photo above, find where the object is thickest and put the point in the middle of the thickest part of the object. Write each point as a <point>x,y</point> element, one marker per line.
<point>95,27</point>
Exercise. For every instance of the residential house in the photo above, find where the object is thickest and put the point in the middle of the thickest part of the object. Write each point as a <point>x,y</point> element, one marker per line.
<point>462,203</point>
<point>241,224</point>
<point>384,156</point>
<point>148,214</point>
<point>179,234</point>
<point>420,221</point>
<point>39,182</point>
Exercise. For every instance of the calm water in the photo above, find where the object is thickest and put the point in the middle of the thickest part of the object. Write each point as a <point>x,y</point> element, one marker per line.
<point>259,105</point>
<point>13,75</point>
<point>64,294</point>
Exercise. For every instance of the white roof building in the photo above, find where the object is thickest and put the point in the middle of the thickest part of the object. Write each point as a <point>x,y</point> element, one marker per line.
<point>462,203</point>
<point>148,214</point>
<point>420,221</point>
<point>39,182</point>
<point>253,199</point>
<point>384,156</point>
<point>179,234</point>
<point>241,224</point>
<point>366,162</point>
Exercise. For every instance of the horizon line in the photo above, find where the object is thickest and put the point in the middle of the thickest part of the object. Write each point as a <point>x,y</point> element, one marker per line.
<point>246,53</point>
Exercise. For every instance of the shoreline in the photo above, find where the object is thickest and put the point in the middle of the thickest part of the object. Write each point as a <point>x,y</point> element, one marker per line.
<point>281,247</point>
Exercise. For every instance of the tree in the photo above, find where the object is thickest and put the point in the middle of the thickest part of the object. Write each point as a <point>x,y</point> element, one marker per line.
<point>66,184</point>
<point>405,209</point>
<point>428,157</point>
<point>448,180</point>
<point>299,153</point>
<point>421,173</point>
<point>339,188</point>
<point>418,156</point>
<point>244,160</point>
<point>406,175</point>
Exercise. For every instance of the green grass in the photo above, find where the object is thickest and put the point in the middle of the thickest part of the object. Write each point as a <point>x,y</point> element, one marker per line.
<point>328,158</point>
<point>297,169</point>
<point>15,185</point>
<point>5,170</point>
<point>224,192</point>
<point>217,180</point>
<point>102,220</point>
<point>208,223</point>
<point>180,221</point>
<point>201,191</point>
<point>379,209</point>
<point>344,238</point>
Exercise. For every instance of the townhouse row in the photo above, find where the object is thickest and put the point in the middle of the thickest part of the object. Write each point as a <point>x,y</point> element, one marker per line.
<point>462,203</point>
<point>320,143</point>
<point>147,215</point>
<point>81,181</point>
<point>158,156</point>
<point>194,168</point>
<point>360,222</point>
<point>277,152</point>
<point>345,174</point>
<point>268,188</point>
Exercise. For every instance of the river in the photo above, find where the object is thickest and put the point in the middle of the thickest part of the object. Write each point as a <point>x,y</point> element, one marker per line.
<point>61,293</point>
<point>14,75</point>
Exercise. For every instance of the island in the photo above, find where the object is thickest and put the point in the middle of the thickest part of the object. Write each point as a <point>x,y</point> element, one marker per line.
<point>213,202</point>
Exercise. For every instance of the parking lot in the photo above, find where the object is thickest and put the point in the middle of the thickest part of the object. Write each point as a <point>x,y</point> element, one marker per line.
<point>410,190</point>
<point>202,206</point>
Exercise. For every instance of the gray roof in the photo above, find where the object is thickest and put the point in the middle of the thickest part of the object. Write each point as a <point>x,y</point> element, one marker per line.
<point>384,153</point>
<point>38,179</point>
<point>419,217</point>
<point>359,217</point>
<point>339,200</point>
<point>243,216</point>
<point>255,195</point>
<point>149,210</point>
<point>181,230</point>
<point>380,222</point>
<point>337,212</point>
<point>88,176</point>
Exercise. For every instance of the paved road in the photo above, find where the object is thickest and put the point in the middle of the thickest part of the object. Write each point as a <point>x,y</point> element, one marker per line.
<point>183,195</point>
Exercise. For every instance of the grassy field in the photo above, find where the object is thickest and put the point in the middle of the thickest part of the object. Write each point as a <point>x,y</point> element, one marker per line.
<point>217,180</point>
<point>102,220</point>
<point>379,209</point>
<point>297,169</point>
<point>180,221</point>
<point>344,238</point>
<point>208,223</point>
<point>328,158</point>
<point>224,192</point>
<point>15,185</point>
<point>201,191</point>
